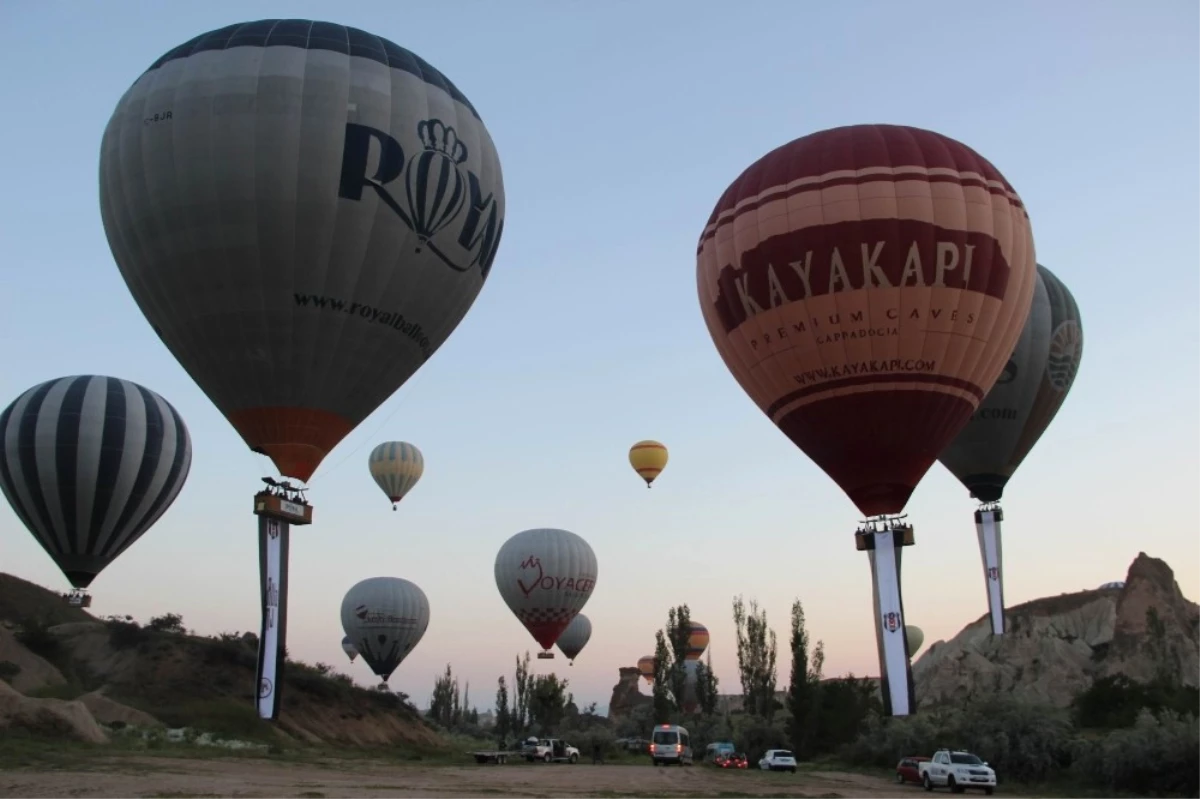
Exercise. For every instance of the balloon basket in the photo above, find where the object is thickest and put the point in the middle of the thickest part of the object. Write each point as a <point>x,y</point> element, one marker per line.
<point>883,539</point>
<point>545,656</point>
<point>987,527</point>
<point>78,598</point>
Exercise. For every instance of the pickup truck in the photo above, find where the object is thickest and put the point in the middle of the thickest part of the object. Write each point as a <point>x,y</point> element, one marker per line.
<point>957,770</point>
<point>549,750</point>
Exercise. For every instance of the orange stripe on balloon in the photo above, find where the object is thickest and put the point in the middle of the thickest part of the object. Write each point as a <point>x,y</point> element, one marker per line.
<point>295,439</point>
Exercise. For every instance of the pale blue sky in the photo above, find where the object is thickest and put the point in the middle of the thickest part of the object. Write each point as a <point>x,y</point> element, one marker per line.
<point>618,125</point>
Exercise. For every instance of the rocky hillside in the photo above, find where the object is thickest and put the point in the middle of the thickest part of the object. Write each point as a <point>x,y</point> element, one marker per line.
<point>62,671</point>
<point>1056,647</point>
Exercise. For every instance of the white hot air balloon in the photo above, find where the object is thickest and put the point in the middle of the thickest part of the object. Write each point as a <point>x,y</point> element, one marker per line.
<point>575,637</point>
<point>349,648</point>
<point>546,576</point>
<point>385,618</point>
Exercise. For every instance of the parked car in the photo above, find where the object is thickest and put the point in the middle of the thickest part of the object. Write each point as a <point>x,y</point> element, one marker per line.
<point>908,769</point>
<point>731,760</point>
<point>957,770</point>
<point>718,748</point>
<point>670,743</point>
<point>778,760</point>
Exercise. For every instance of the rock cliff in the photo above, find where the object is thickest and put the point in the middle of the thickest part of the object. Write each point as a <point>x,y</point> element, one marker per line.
<point>625,696</point>
<point>1057,646</point>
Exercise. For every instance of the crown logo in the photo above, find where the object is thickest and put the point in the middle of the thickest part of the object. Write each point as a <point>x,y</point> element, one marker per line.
<point>438,136</point>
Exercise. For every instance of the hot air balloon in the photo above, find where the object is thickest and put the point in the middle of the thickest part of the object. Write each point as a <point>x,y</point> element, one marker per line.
<point>915,638</point>
<point>349,648</point>
<point>1013,416</point>
<point>575,637</point>
<point>396,467</point>
<point>648,459</point>
<point>90,464</point>
<point>645,665</point>
<point>304,212</point>
<point>385,618</point>
<point>545,576</point>
<point>697,641</point>
<point>865,286</point>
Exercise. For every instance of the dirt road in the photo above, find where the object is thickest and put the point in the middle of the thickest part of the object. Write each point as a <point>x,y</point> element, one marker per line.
<point>241,777</point>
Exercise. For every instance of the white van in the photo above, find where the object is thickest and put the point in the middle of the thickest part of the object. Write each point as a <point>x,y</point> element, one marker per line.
<point>670,743</point>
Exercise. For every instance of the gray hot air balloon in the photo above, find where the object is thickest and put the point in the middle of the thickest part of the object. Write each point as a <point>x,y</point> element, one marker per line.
<point>89,464</point>
<point>575,637</point>
<point>304,212</point>
<point>545,576</point>
<point>349,648</point>
<point>385,618</point>
<point>1014,415</point>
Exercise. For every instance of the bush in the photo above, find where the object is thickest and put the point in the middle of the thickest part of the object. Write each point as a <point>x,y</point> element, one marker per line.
<point>1024,743</point>
<point>1160,755</point>
<point>35,636</point>
<point>8,670</point>
<point>1117,701</point>
<point>125,633</point>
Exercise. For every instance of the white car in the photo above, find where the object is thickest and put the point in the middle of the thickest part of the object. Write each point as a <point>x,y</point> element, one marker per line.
<point>957,770</point>
<point>778,760</point>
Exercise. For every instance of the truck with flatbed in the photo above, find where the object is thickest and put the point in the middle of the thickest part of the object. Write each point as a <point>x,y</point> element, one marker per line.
<point>957,770</point>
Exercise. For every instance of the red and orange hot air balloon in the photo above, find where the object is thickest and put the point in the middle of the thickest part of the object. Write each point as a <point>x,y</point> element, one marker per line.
<point>866,285</point>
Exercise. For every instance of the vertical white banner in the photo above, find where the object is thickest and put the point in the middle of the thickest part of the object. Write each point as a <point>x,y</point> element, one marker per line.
<point>273,571</point>
<point>885,557</point>
<point>987,526</point>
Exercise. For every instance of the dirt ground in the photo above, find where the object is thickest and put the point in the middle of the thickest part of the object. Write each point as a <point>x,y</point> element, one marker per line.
<point>242,777</point>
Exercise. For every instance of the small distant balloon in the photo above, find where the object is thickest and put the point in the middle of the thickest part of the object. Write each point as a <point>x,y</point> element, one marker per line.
<point>645,665</point>
<point>349,648</point>
<point>648,459</point>
<point>575,637</point>
<point>697,641</point>
<point>396,467</point>
<point>915,638</point>
<point>385,618</point>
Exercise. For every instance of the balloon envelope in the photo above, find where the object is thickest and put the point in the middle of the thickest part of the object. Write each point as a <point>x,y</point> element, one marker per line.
<point>89,464</point>
<point>697,641</point>
<point>349,648</point>
<point>545,576</point>
<point>396,467</point>
<point>575,637</point>
<point>385,618</point>
<point>648,459</point>
<point>304,212</point>
<point>1026,398</point>
<point>915,636</point>
<point>645,665</point>
<point>865,286</point>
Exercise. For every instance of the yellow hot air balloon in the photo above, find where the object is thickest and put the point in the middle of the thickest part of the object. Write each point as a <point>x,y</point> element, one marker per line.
<point>648,459</point>
<point>396,467</point>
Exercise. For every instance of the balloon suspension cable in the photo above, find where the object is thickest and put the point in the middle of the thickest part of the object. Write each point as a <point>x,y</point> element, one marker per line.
<point>285,490</point>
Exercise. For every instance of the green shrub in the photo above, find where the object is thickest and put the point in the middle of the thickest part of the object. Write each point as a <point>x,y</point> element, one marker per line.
<point>125,633</point>
<point>1024,743</point>
<point>1159,755</point>
<point>34,634</point>
<point>1116,701</point>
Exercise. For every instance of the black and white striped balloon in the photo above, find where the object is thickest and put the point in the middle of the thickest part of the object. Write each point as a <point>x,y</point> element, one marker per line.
<point>89,464</point>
